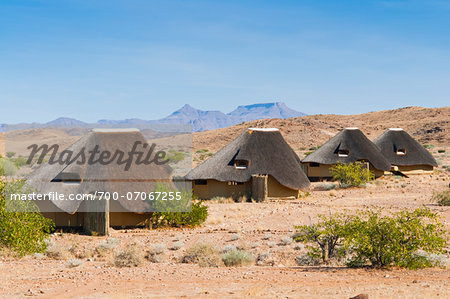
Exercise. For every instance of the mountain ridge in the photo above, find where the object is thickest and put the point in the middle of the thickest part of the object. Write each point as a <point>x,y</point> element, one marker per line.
<point>199,120</point>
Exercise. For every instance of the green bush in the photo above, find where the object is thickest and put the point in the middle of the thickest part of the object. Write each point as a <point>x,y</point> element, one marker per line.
<point>403,239</point>
<point>326,236</point>
<point>10,154</point>
<point>308,153</point>
<point>237,258</point>
<point>25,229</point>
<point>396,239</point>
<point>440,151</point>
<point>442,198</point>
<point>7,168</point>
<point>351,175</point>
<point>428,146</point>
<point>168,213</point>
<point>174,156</point>
<point>19,161</point>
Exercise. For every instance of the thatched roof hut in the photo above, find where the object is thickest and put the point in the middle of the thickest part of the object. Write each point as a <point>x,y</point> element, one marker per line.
<point>256,151</point>
<point>349,145</point>
<point>403,151</point>
<point>87,178</point>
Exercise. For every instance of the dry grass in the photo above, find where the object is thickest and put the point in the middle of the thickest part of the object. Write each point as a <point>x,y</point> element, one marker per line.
<point>156,253</point>
<point>203,254</point>
<point>131,256</point>
<point>58,252</point>
<point>237,258</point>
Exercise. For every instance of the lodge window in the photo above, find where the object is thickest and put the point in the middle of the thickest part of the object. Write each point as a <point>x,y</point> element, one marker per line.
<point>67,178</point>
<point>233,183</point>
<point>343,153</point>
<point>201,182</point>
<point>240,164</point>
<point>401,152</point>
<point>313,164</point>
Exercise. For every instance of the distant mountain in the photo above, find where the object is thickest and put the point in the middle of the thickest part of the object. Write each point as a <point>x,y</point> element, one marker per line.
<point>200,120</point>
<point>66,122</point>
<point>266,110</point>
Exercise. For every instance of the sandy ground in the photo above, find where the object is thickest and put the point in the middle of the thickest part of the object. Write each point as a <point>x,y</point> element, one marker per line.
<point>278,277</point>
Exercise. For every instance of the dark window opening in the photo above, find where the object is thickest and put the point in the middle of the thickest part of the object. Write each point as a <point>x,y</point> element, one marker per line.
<point>401,152</point>
<point>314,164</point>
<point>240,164</point>
<point>201,182</point>
<point>67,178</point>
<point>343,153</point>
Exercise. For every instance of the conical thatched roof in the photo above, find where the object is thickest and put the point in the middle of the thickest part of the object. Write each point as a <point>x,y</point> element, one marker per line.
<point>348,146</point>
<point>400,148</point>
<point>107,177</point>
<point>266,152</point>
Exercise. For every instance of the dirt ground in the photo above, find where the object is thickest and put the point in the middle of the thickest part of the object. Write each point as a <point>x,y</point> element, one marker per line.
<point>257,227</point>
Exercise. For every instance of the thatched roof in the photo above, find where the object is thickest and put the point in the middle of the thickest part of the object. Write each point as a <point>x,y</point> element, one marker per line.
<point>400,148</point>
<point>266,152</point>
<point>348,146</point>
<point>111,177</point>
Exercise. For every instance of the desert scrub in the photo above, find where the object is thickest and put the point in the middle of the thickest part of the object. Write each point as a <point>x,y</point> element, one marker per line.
<point>307,260</point>
<point>351,175</point>
<point>235,237</point>
<point>107,247</point>
<point>286,241</point>
<point>58,252</point>
<point>267,236</point>
<point>325,186</point>
<point>442,198</point>
<point>262,258</point>
<point>131,256</point>
<point>237,258</point>
<point>73,263</point>
<point>177,245</point>
<point>203,254</point>
<point>221,199</point>
<point>228,247</point>
<point>156,253</point>
<point>22,227</point>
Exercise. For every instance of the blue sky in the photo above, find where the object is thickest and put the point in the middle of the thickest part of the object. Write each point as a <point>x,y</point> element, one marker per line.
<point>123,59</point>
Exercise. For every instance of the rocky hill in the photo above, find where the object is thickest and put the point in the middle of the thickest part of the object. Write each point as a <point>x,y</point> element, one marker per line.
<point>427,125</point>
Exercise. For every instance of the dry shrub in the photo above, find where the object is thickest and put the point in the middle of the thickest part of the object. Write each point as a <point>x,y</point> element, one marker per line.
<point>307,260</point>
<point>107,247</point>
<point>237,258</point>
<point>80,252</point>
<point>177,245</point>
<point>131,256</point>
<point>220,199</point>
<point>235,237</point>
<point>442,198</point>
<point>286,241</point>
<point>7,252</point>
<point>58,252</point>
<point>156,253</point>
<point>267,236</point>
<point>203,254</point>
<point>73,263</point>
